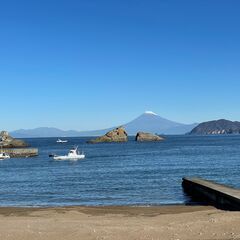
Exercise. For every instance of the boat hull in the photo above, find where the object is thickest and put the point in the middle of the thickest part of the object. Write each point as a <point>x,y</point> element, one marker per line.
<point>73,158</point>
<point>3,158</point>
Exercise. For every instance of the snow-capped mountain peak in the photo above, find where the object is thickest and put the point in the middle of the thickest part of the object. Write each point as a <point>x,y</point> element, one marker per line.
<point>151,113</point>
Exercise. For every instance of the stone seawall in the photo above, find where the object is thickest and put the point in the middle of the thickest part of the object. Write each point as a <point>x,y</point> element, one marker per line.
<point>21,152</point>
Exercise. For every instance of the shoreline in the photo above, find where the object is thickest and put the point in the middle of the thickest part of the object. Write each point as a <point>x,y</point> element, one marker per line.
<point>101,210</point>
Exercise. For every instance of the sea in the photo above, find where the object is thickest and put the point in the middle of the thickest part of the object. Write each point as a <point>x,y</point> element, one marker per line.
<point>114,174</point>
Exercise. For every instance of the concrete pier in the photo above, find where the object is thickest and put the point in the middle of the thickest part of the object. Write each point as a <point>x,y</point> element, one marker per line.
<point>219,195</point>
<point>21,152</point>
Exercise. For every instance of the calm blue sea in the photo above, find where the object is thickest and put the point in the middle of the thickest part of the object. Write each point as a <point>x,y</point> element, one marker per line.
<point>118,173</point>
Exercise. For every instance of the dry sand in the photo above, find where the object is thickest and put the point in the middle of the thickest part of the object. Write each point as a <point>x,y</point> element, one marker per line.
<point>83,223</point>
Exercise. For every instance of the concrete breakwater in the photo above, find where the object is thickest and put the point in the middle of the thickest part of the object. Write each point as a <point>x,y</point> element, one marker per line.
<point>21,152</point>
<point>219,195</point>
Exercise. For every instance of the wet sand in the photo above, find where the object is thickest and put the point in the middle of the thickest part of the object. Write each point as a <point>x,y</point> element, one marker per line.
<point>164,222</point>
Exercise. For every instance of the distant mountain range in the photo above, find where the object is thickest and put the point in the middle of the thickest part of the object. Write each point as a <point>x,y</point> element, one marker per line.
<point>43,132</point>
<point>221,126</point>
<point>147,122</point>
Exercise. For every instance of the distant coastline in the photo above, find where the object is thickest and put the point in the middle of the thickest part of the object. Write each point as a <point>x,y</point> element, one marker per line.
<point>217,127</point>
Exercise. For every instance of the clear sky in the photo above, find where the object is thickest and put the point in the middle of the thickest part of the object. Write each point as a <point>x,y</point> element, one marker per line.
<point>90,64</point>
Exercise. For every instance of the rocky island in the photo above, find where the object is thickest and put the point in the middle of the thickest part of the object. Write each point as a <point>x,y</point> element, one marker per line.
<point>116,135</point>
<point>9,142</point>
<point>147,137</point>
<point>16,147</point>
<point>217,127</point>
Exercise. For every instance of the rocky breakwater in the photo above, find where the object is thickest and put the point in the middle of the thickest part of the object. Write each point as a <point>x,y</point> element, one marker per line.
<point>116,135</point>
<point>147,137</point>
<point>16,147</point>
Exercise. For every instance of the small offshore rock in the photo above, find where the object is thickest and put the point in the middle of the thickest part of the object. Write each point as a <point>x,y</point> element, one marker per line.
<point>116,135</point>
<point>147,137</point>
<point>9,142</point>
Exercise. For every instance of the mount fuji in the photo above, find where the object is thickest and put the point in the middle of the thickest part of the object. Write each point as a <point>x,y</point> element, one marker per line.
<point>153,123</point>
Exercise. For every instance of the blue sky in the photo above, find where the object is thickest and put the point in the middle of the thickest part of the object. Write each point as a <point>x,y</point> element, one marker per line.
<point>93,64</point>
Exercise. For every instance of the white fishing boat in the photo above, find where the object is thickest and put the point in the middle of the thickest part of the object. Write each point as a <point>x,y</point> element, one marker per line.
<point>62,141</point>
<point>73,154</point>
<point>4,155</point>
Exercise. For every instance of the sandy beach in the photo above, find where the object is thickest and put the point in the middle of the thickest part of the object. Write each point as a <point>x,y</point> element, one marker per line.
<point>166,222</point>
